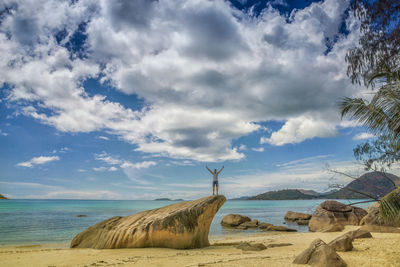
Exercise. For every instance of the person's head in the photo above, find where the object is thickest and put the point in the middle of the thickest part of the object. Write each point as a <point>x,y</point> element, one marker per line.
<point>215,170</point>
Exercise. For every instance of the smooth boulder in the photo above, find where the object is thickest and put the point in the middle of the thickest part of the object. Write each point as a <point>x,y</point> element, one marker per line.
<point>292,216</point>
<point>331,212</point>
<point>182,225</point>
<point>321,255</point>
<point>233,220</point>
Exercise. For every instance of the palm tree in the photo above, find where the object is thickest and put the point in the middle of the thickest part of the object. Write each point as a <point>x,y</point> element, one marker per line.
<point>382,117</point>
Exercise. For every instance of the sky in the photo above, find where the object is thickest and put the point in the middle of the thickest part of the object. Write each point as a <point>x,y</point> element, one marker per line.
<point>133,99</point>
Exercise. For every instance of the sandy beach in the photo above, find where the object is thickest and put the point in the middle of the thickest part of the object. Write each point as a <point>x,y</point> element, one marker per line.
<point>381,250</point>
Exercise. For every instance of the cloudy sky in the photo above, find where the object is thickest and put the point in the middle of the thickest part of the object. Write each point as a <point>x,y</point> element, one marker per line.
<point>132,99</point>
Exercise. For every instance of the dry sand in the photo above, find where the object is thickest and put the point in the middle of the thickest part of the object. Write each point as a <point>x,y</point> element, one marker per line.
<point>381,250</point>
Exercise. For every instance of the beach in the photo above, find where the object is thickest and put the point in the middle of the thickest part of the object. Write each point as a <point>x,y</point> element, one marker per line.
<point>381,250</point>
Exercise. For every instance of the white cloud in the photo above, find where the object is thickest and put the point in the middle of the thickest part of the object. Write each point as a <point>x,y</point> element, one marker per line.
<point>103,137</point>
<point>105,157</point>
<point>258,149</point>
<point>207,72</point>
<point>38,161</point>
<point>3,133</point>
<point>103,169</point>
<point>298,129</point>
<point>362,136</point>
<point>138,165</point>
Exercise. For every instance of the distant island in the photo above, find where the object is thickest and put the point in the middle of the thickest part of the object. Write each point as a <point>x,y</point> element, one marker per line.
<point>373,183</point>
<point>3,197</point>
<point>168,199</point>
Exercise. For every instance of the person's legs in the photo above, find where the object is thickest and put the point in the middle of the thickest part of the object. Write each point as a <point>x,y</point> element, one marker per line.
<point>213,188</point>
<point>217,188</point>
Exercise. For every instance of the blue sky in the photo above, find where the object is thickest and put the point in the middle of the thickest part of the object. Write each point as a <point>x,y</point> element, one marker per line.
<point>132,99</point>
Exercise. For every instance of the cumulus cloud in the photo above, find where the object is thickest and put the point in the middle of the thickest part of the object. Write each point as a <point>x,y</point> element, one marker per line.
<point>38,161</point>
<point>258,149</point>
<point>362,136</point>
<point>298,129</point>
<point>208,72</point>
<point>103,169</point>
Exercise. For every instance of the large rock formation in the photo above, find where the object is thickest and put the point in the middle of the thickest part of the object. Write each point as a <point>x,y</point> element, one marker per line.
<point>321,255</point>
<point>180,225</point>
<point>331,213</point>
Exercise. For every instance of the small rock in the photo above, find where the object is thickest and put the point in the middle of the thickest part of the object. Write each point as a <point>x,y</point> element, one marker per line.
<point>264,225</point>
<point>280,228</point>
<point>302,222</point>
<point>359,234</point>
<point>321,255</point>
<point>252,224</point>
<point>233,220</point>
<point>342,243</point>
<point>295,216</point>
<point>245,246</point>
<point>81,215</point>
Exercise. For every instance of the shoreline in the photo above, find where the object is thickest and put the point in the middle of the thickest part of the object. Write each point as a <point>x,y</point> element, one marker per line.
<point>381,250</point>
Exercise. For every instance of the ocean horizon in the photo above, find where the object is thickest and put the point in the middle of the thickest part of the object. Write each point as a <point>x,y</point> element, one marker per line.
<point>41,221</point>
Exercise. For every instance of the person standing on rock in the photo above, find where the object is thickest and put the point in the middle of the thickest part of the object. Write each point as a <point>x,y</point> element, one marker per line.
<point>215,178</point>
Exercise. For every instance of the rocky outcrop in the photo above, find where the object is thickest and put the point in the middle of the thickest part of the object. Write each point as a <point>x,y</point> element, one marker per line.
<point>332,212</point>
<point>321,255</point>
<point>181,225</point>
<point>292,216</point>
<point>233,220</point>
<point>373,217</point>
<point>342,243</point>
<point>280,228</point>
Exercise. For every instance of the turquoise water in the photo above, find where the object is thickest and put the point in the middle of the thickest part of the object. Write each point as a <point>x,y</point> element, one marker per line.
<point>47,221</point>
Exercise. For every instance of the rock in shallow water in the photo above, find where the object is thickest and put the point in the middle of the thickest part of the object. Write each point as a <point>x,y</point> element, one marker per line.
<point>233,220</point>
<point>181,225</point>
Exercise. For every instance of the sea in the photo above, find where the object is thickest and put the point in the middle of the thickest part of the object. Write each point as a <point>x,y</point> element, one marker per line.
<point>28,222</point>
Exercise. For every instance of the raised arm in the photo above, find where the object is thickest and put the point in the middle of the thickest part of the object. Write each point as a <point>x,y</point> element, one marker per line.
<point>209,170</point>
<point>220,169</point>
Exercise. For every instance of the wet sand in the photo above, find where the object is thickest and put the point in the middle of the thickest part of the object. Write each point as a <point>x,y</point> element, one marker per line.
<point>381,250</point>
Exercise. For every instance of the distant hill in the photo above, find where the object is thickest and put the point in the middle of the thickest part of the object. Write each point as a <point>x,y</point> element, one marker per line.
<point>2,197</point>
<point>282,195</point>
<point>372,183</point>
<point>240,198</point>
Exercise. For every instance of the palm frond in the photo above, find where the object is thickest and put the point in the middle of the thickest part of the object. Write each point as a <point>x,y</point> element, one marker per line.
<point>390,207</point>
